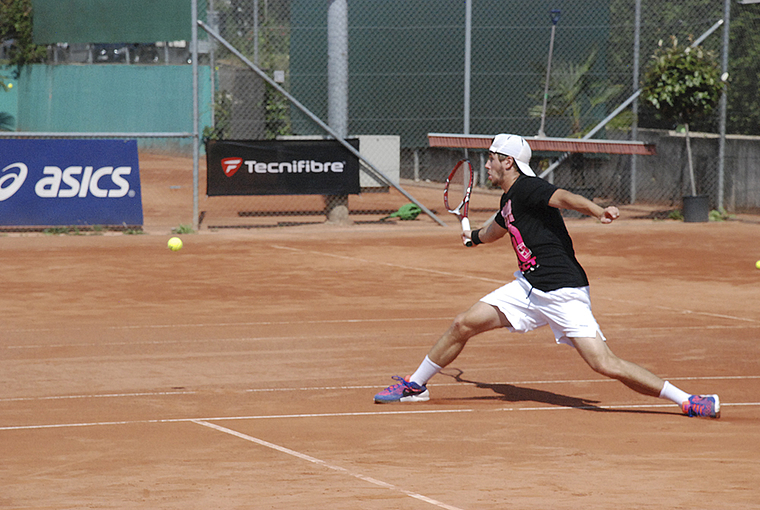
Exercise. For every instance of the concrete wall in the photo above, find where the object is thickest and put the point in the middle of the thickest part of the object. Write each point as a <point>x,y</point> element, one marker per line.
<point>669,168</point>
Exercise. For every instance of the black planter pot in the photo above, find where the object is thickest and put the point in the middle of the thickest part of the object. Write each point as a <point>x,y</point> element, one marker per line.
<point>696,209</point>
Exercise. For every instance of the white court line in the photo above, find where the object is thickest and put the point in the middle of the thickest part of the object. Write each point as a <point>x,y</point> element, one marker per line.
<point>235,324</point>
<point>682,310</point>
<point>364,321</point>
<point>398,266</point>
<point>105,395</point>
<point>232,418</point>
<point>500,282</point>
<point>364,387</point>
<point>360,414</point>
<point>497,383</point>
<point>196,341</point>
<point>338,336</point>
<point>319,462</point>
<point>332,336</point>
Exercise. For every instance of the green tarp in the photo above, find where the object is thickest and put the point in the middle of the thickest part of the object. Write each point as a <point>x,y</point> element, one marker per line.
<point>111,21</point>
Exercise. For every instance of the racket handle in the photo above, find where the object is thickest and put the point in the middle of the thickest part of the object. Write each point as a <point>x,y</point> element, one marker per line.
<point>466,226</point>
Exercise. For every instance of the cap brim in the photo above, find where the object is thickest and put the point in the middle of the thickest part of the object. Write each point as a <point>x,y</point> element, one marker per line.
<point>525,168</point>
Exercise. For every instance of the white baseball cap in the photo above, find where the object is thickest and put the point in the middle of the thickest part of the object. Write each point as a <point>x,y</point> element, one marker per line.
<point>515,146</point>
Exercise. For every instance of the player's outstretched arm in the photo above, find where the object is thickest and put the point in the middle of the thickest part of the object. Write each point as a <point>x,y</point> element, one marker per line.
<point>563,199</point>
<point>488,234</point>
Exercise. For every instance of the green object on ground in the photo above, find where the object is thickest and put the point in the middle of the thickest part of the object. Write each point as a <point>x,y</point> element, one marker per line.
<point>406,212</point>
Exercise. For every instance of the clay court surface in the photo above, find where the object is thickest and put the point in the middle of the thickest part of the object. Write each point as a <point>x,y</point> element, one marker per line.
<point>238,373</point>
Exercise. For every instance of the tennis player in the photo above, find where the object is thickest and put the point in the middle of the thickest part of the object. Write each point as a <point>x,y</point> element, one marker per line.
<point>550,287</point>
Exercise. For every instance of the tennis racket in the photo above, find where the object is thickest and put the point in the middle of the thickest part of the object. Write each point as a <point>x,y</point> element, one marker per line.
<point>457,191</point>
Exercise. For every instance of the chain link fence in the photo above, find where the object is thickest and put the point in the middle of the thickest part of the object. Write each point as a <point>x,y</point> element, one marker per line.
<point>407,78</point>
<point>415,68</point>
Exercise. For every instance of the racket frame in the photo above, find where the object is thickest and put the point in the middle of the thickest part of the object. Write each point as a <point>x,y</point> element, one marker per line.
<point>461,210</point>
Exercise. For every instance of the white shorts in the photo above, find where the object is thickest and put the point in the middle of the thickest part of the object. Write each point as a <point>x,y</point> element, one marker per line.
<point>567,311</point>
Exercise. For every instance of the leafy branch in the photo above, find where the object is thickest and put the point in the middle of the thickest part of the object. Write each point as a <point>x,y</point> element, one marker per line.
<point>575,92</point>
<point>683,84</point>
<point>16,26</point>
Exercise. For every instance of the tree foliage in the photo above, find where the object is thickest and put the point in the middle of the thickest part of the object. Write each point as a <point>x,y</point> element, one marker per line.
<point>682,83</point>
<point>16,26</point>
<point>575,92</point>
<point>659,19</point>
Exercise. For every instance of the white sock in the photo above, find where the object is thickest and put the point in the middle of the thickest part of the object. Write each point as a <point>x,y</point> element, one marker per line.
<point>425,372</point>
<point>674,394</point>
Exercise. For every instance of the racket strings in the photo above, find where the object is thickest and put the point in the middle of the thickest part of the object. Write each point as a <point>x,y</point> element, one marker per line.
<point>457,188</point>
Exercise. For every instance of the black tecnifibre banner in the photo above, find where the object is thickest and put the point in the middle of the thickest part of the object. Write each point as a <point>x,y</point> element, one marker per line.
<point>281,167</point>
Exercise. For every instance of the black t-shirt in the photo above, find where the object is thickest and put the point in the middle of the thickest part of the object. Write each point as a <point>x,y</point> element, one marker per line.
<point>543,246</point>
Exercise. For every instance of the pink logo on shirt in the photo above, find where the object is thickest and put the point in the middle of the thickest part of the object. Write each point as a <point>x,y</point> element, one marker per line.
<point>525,259</point>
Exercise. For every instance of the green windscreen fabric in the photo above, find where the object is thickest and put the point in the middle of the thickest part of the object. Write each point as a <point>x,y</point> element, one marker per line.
<point>406,63</point>
<point>110,21</point>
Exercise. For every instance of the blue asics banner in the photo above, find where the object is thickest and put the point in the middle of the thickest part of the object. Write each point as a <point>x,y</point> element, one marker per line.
<point>69,182</point>
<point>281,167</point>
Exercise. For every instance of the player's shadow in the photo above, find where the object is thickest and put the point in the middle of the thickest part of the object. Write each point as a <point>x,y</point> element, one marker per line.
<point>511,393</point>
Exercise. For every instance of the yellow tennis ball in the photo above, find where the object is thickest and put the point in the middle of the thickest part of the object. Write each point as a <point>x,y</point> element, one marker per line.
<point>757,264</point>
<point>175,244</point>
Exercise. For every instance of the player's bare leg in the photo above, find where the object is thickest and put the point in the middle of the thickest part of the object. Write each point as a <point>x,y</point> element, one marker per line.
<point>602,360</point>
<point>481,317</point>
<point>599,357</point>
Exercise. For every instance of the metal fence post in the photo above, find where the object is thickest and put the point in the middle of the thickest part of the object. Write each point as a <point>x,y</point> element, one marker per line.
<point>336,206</point>
<point>723,107</point>
<point>635,106</point>
<point>196,120</point>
